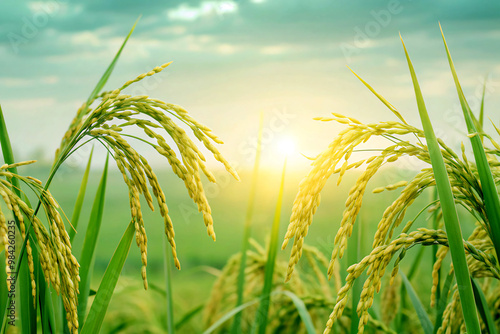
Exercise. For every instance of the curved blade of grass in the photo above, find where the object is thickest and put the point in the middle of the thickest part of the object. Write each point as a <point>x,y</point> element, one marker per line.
<point>483,308</point>
<point>236,328</point>
<point>89,244</point>
<point>168,285</point>
<point>230,314</point>
<point>450,215</point>
<point>380,97</point>
<point>443,302</point>
<point>188,316</point>
<point>27,310</point>
<point>417,304</point>
<point>263,310</point>
<point>105,292</point>
<point>435,225</point>
<point>481,110</point>
<point>490,194</point>
<point>98,88</point>
<point>353,254</point>
<point>302,310</point>
<point>8,155</point>
<point>79,199</point>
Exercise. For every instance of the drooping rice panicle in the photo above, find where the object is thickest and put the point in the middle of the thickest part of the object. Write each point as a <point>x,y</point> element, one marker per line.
<point>59,266</point>
<point>108,121</point>
<point>404,142</point>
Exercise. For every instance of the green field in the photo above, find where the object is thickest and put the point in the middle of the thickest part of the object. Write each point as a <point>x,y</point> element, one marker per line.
<point>200,257</point>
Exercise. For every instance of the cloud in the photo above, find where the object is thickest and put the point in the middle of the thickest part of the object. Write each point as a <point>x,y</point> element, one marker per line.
<point>185,12</point>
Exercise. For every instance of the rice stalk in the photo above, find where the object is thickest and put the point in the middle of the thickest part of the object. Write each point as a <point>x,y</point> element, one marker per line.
<point>247,228</point>
<point>404,141</point>
<point>283,315</point>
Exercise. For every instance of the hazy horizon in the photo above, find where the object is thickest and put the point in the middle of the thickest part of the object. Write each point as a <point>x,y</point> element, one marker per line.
<point>233,60</point>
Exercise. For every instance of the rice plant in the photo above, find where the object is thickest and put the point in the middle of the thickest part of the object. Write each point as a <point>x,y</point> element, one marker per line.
<point>104,118</point>
<point>459,181</point>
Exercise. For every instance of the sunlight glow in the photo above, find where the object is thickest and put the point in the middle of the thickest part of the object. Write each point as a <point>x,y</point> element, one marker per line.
<point>287,146</point>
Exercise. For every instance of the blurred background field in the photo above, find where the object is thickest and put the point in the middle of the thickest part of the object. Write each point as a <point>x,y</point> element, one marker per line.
<point>201,258</point>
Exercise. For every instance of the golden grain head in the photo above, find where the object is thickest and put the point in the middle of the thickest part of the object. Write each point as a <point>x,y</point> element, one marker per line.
<point>115,113</point>
<point>333,160</point>
<point>59,266</point>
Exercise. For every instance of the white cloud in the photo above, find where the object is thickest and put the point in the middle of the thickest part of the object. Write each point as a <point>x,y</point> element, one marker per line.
<point>274,49</point>
<point>14,82</point>
<point>86,38</point>
<point>185,12</point>
<point>226,49</point>
<point>30,106</point>
<point>172,30</point>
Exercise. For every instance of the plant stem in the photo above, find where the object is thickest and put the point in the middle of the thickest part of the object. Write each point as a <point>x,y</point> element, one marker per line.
<point>262,312</point>
<point>236,328</point>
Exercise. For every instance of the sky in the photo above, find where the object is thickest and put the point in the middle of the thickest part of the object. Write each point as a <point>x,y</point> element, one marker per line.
<point>233,60</point>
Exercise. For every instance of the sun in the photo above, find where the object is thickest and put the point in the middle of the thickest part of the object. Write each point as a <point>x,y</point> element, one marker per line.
<point>287,145</point>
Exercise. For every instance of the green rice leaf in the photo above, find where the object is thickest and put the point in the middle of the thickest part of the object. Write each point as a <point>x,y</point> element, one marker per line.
<point>168,285</point>
<point>442,302</point>
<point>8,155</point>
<point>98,88</point>
<point>262,312</point>
<point>27,311</point>
<point>481,110</point>
<point>188,316</point>
<point>490,194</point>
<point>417,304</point>
<point>435,226</point>
<point>353,254</point>
<point>450,215</point>
<point>302,310</point>
<point>89,244</point>
<point>236,328</point>
<point>230,314</point>
<point>105,292</point>
<point>483,308</point>
<point>380,97</point>
<point>79,199</point>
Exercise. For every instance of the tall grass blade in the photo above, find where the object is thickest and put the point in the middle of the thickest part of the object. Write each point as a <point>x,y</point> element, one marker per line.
<point>417,304</point>
<point>302,310</point>
<point>454,233</point>
<point>490,194</point>
<point>481,110</point>
<point>434,249</point>
<point>98,88</point>
<point>262,312</point>
<point>230,314</point>
<point>236,328</point>
<point>89,244</point>
<point>188,316</point>
<point>380,97</point>
<point>483,308</point>
<point>443,301</point>
<point>168,284</point>
<point>353,254</point>
<point>27,310</point>
<point>98,309</point>
<point>8,155</point>
<point>79,199</point>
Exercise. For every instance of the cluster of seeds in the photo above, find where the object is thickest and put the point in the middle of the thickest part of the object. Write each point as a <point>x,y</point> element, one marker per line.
<point>308,282</point>
<point>336,160</point>
<point>107,123</point>
<point>59,266</point>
